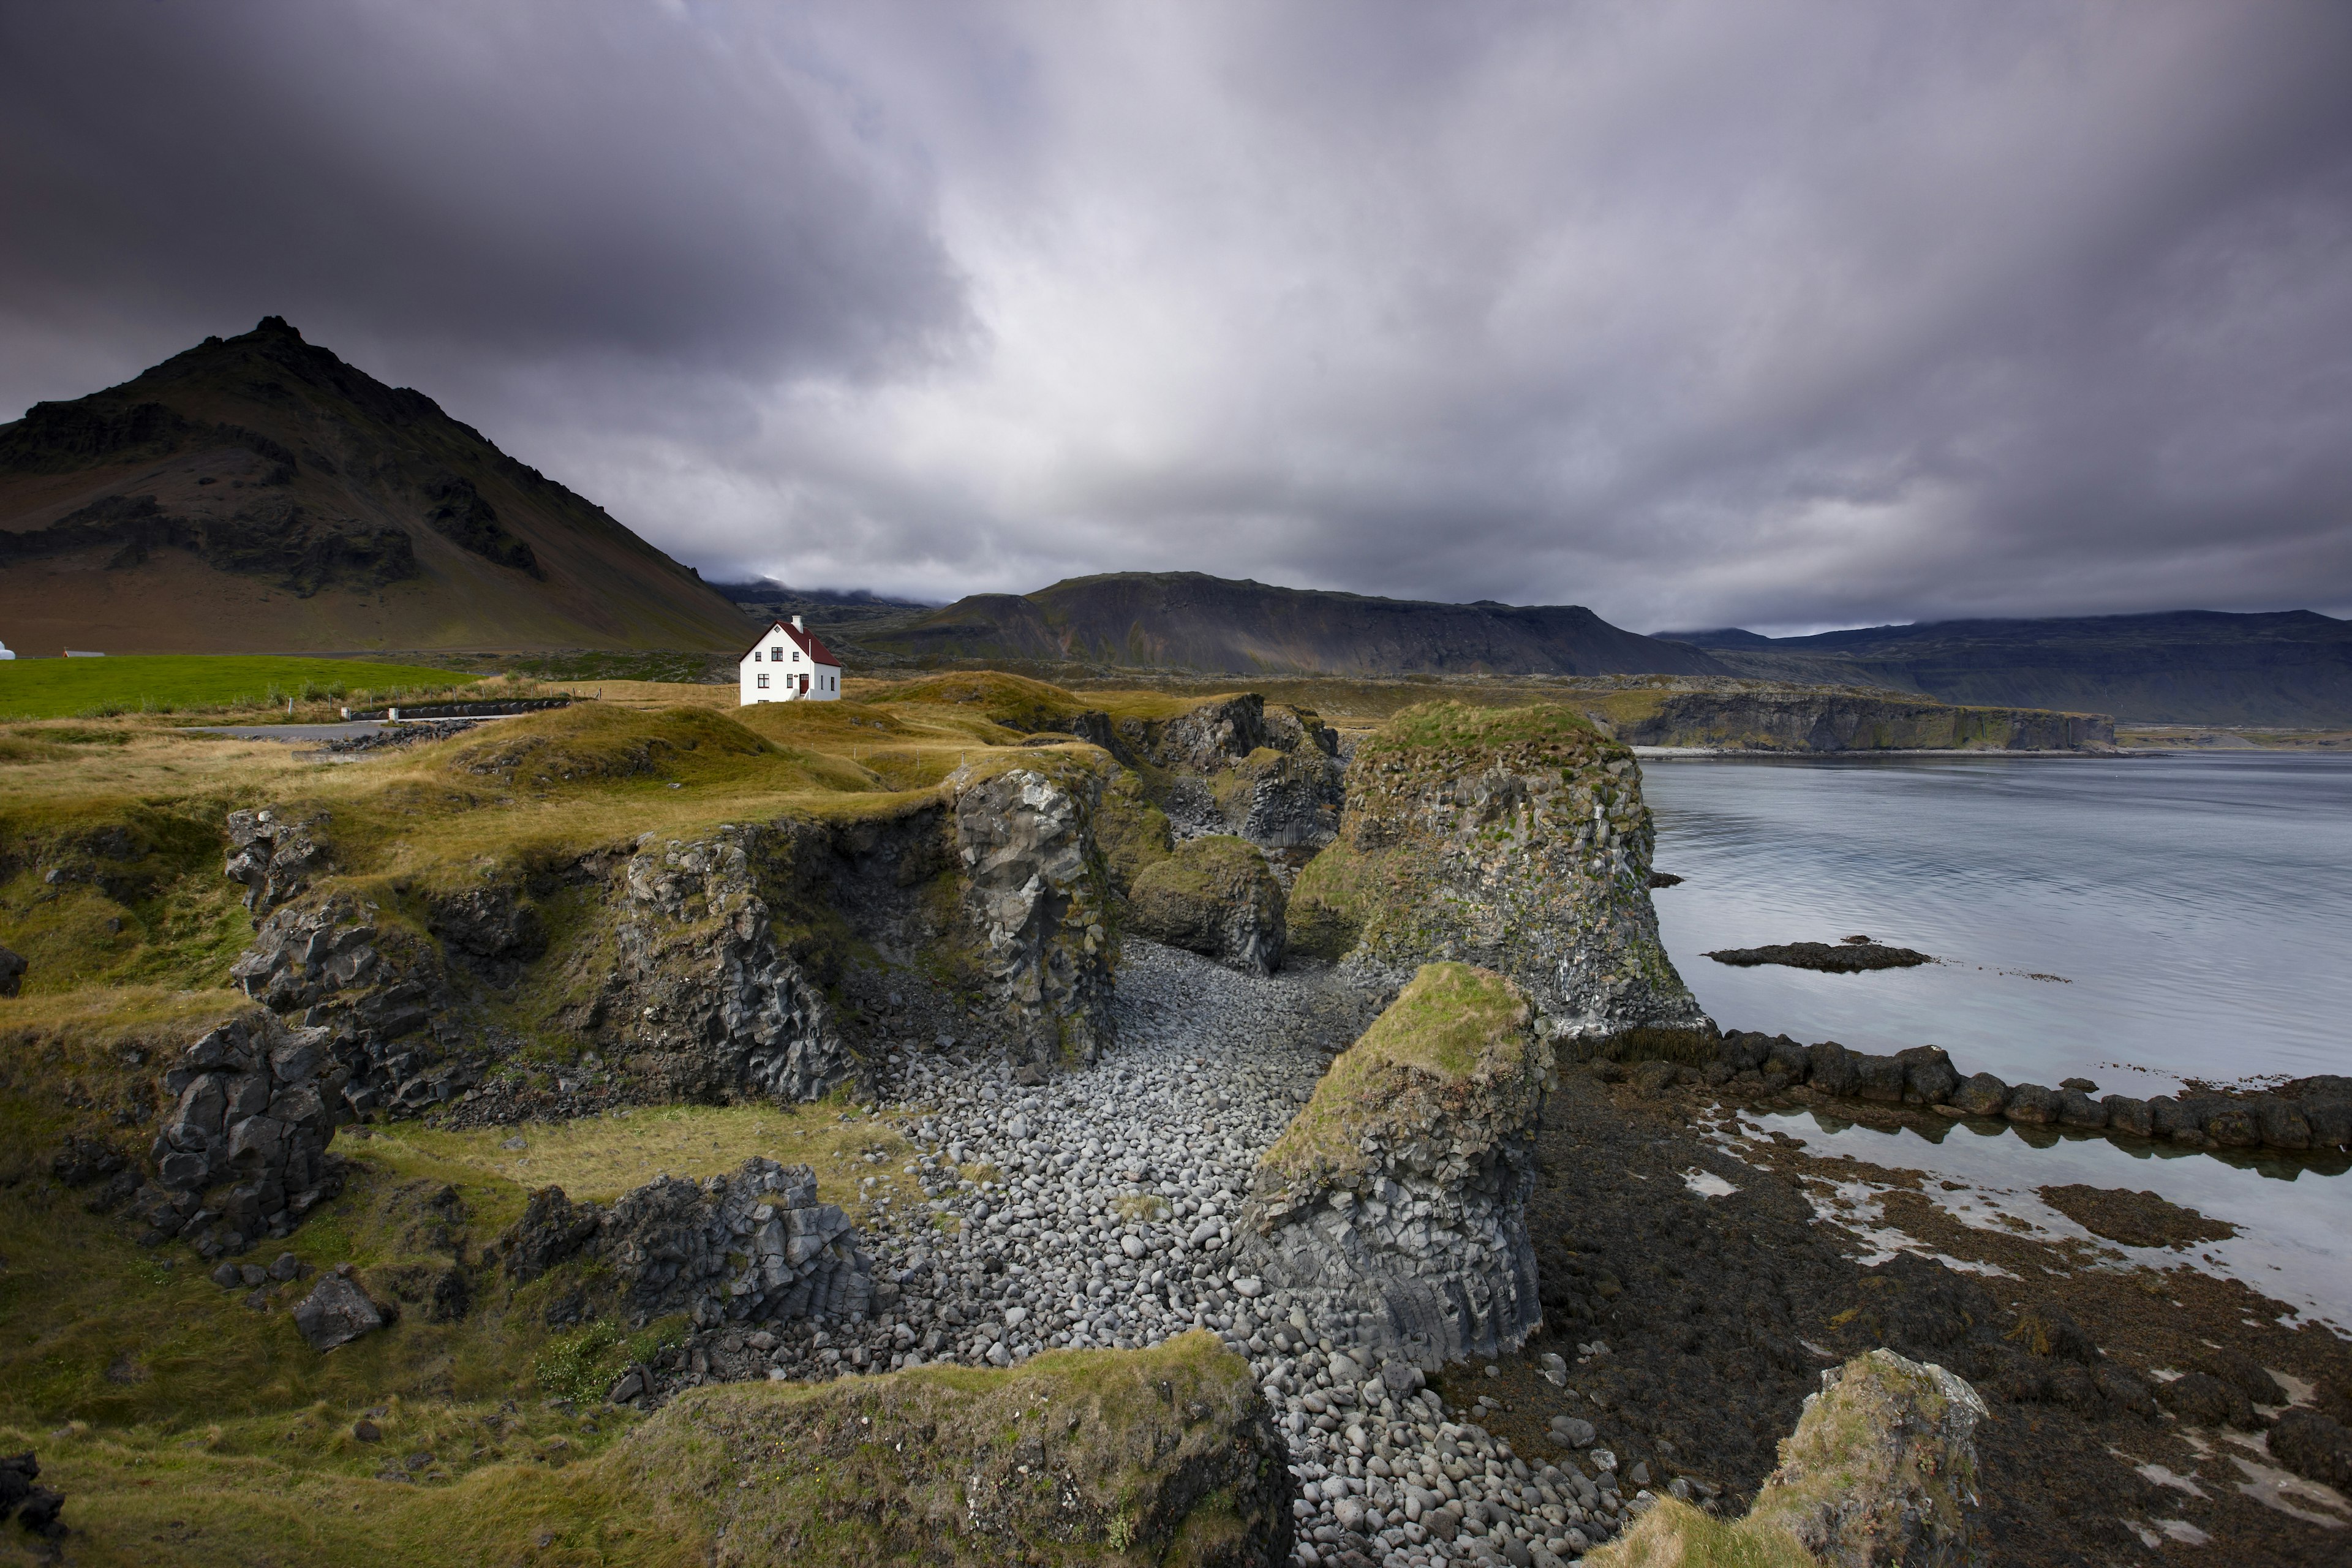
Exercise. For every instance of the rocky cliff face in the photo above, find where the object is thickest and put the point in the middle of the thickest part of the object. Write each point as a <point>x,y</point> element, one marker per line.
<point>377,990</point>
<point>1271,775</point>
<point>706,968</point>
<point>243,1150</point>
<point>1800,720</point>
<point>1397,1196</point>
<point>1515,838</point>
<point>1035,898</point>
<point>754,1246</point>
<point>705,1003</point>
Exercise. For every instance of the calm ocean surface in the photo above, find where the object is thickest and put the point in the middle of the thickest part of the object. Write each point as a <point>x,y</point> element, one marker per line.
<point>2198,909</point>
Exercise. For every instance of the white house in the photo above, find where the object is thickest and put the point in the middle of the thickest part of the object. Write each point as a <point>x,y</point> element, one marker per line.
<point>789,665</point>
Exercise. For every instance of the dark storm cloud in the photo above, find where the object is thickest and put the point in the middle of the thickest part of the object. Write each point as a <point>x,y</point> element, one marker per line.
<point>542,183</point>
<point>1782,314</point>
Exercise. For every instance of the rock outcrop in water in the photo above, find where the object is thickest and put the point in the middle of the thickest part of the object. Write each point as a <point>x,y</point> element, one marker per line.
<point>1515,838</point>
<point>1398,1196</point>
<point>2310,1115</point>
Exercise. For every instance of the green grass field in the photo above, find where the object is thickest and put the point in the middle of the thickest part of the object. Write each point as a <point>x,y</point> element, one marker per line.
<point>164,683</point>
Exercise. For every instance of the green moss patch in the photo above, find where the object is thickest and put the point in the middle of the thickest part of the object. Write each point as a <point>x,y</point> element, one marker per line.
<point>1456,1035</point>
<point>1673,1534</point>
<point>1432,726</point>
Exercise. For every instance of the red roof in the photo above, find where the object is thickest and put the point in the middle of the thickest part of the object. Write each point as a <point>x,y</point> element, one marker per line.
<point>806,641</point>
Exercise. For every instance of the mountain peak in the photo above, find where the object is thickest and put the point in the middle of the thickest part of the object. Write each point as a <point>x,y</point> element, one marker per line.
<point>260,492</point>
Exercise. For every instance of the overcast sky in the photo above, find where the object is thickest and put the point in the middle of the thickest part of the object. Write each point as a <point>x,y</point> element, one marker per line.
<point>1784,315</point>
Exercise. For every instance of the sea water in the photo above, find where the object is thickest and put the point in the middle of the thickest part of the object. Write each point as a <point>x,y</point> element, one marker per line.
<point>2138,921</point>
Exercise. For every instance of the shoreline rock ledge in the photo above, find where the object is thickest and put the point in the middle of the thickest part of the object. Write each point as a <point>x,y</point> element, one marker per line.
<point>1398,1196</point>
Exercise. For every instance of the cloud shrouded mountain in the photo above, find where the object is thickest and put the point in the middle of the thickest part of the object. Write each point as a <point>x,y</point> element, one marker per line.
<point>1786,315</point>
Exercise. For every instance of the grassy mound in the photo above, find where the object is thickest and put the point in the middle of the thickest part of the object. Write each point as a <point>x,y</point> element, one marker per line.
<point>1456,1038</point>
<point>1460,727</point>
<point>162,683</point>
<point>1012,701</point>
<point>1157,1456</point>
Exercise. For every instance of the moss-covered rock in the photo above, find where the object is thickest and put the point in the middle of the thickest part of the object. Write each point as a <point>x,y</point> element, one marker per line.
<point>1880,1473</point>
<point>1164,1456</point>
<point>1133,832</point>
<point>1214,896</point>
<point>1511,838</point>
<point>1400,1192</point>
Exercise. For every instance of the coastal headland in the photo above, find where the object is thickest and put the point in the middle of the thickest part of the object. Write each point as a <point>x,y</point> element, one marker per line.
<point>781,1122</point>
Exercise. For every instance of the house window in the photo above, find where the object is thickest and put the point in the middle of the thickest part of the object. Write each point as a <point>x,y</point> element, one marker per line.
<point>764,682</point>
<point>776,656</point>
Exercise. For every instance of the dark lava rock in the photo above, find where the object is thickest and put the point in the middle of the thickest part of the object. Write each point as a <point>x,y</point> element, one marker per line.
<point>1981,1095</point>
<point>12,972</point>
<point>36,1506</point>
<point>1845,958</point>
<point>2135,1219</point>
<point>2126,1114</point>
<point>1928,1076</point>
<point>2031,1103</point>
<point>1664,879</point>
<point>336,1313</point>
<point>551,1229</point>
<point>2314,1446</point>
<point>2076,1109</point>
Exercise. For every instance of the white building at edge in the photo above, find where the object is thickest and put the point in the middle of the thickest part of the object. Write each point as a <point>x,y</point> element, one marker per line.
<point>789,665</point>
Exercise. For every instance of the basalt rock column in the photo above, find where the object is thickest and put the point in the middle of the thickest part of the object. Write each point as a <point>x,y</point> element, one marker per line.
<point>1035,897</point>
<point>1400,1193</point>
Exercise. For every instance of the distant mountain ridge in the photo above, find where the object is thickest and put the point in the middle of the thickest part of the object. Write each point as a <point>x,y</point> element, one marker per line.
<point>2288,667</point>
<point>257,493</point>
<point>1192,621</point>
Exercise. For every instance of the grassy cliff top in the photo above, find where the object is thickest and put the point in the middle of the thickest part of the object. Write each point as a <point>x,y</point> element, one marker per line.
<point>1020,703</point>
<point>1073,1458</point>
<point>1456,1035</point>
<point>1431,728</point>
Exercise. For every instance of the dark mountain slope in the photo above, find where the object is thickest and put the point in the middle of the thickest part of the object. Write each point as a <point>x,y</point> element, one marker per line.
<point>1187,620</point>
<point>2189,666</point>
<point>257,493</point>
